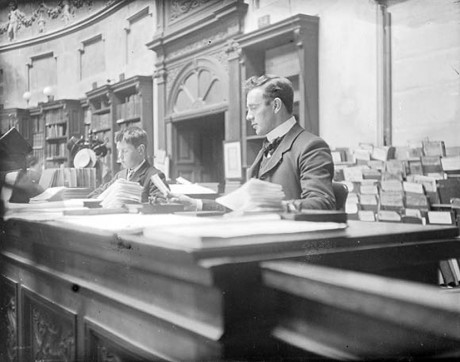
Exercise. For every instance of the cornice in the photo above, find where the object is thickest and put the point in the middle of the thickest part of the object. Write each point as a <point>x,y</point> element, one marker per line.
<point>90,20</point>
<point>164,37</point>
<point>283,27</point>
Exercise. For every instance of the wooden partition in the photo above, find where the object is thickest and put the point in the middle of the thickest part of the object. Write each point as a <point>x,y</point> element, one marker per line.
<point>340,314</point>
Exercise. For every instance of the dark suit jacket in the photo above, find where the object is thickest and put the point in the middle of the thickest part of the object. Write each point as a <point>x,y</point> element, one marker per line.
<point>142,176</point>
<point>302,164</point>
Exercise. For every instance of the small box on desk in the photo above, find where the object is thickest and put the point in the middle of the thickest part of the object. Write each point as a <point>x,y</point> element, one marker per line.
<point>441,217</point>
<point>316,215</point>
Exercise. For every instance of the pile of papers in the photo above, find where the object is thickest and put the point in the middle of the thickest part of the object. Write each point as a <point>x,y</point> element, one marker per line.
<point>121,192</point>
<point>61,193</point>
<point>254,195</point>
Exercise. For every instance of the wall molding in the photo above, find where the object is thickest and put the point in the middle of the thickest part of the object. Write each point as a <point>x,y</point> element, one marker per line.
<point>92,19</point>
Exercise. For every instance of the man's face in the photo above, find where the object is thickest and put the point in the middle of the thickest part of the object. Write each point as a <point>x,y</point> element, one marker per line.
<point>129,156</point>
<point>259,113</point>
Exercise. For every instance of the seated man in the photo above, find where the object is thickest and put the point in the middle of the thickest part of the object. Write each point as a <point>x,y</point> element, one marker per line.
<point>297,160</point>
<point>131,147</point>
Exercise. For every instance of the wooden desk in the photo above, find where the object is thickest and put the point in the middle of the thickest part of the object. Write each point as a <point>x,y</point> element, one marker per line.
<point>87,294</point>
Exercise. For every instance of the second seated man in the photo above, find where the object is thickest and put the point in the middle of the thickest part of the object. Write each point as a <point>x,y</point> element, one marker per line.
<point>298,160</point>
<point>131,147</point>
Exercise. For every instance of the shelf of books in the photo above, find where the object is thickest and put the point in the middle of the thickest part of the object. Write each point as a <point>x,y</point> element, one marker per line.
<point>133,98</point>
<point>115,107</point>
<point>100,123</point>
<point>38,133</point>
<point>54,123</point>
<point>416,184</point>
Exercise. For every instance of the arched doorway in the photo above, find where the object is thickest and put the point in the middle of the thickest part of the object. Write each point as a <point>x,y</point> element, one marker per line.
<point>197,111</point>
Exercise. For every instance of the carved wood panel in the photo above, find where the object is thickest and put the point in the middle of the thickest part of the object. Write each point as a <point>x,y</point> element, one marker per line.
<point>104,346</point>
<point>49,330</point>
<point>8,321</point>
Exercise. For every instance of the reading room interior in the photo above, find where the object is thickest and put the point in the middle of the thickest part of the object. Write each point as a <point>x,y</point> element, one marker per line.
<point>229,180</point>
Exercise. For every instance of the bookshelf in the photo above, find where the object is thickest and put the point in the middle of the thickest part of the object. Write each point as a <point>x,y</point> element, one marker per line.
<point>133,99</point>
<point>38,133</point>
<point>290,49</point>
<point>62,119</point>
<point>100,124</point>
<point>115,107</point>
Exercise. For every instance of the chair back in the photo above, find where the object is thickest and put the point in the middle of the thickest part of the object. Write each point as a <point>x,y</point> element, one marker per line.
<point>341,194</point>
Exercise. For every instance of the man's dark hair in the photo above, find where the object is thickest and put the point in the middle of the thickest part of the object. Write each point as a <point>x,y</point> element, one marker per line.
<point>133,135</point>
<point>273,87</point>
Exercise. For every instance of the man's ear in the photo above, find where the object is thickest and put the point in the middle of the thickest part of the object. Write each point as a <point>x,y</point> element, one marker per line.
<point>141,149</point>
<point>277,105</point>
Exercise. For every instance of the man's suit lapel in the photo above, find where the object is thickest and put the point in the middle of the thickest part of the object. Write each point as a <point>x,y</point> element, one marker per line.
<point>254,169</point>
<point>141,172</point>
<point>284,146</point>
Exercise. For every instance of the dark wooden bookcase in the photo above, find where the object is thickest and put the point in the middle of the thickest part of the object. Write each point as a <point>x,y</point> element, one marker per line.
<point>133,105</point>
<point>62,120</point>
<point>100,122</point>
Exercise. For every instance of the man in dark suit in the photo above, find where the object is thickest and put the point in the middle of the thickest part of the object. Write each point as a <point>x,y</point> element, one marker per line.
<point>131,147</point>
<point>292,157</point>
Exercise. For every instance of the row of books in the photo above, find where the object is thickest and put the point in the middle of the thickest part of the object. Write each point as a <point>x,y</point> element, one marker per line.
<point>394,200</point>
<point>383,188</point>
<point>56,130</point>
<point>101,121</point>
<point>414,150</point>
<point>56,149</point>
<point>55,116</point>
<point>433,166</point>
<point>69,177</point>
<point>131,108</point>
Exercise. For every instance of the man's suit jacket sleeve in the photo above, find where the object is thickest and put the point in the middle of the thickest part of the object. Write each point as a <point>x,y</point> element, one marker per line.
<point>316,172</point>
<point>150,189</point>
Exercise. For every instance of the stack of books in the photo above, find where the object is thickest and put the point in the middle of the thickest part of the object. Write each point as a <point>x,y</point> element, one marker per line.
<point>414,184</point>
<point>121,192</point>
<point>69,177</point>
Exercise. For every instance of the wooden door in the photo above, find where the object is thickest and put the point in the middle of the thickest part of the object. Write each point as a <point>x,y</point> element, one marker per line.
<point>198,149</point>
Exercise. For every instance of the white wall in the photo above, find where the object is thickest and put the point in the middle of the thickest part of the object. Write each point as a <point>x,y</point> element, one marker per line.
<point>426,71</point>
<point>347,63</point>
<point>14,59</point>
<point>425,67</point>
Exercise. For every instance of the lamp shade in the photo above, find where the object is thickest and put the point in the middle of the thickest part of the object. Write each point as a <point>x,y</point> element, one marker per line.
<point>27,95</point>
<point>48,91</point>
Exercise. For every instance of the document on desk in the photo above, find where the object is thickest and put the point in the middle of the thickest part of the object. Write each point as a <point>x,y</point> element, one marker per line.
<point>130,223</point>
<point>43,211</point>
<point>237,231</point>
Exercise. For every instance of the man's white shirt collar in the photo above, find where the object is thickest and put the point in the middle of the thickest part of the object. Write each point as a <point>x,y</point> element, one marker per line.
<point>281,130</point>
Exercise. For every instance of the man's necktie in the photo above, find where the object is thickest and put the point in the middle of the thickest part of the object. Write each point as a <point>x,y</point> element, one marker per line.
<point>129,174</point>
<point>270,147</point>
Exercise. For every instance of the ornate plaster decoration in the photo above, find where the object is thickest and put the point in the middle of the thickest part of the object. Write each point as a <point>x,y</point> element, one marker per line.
<point>182,7</point>
<point>40,15</point>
